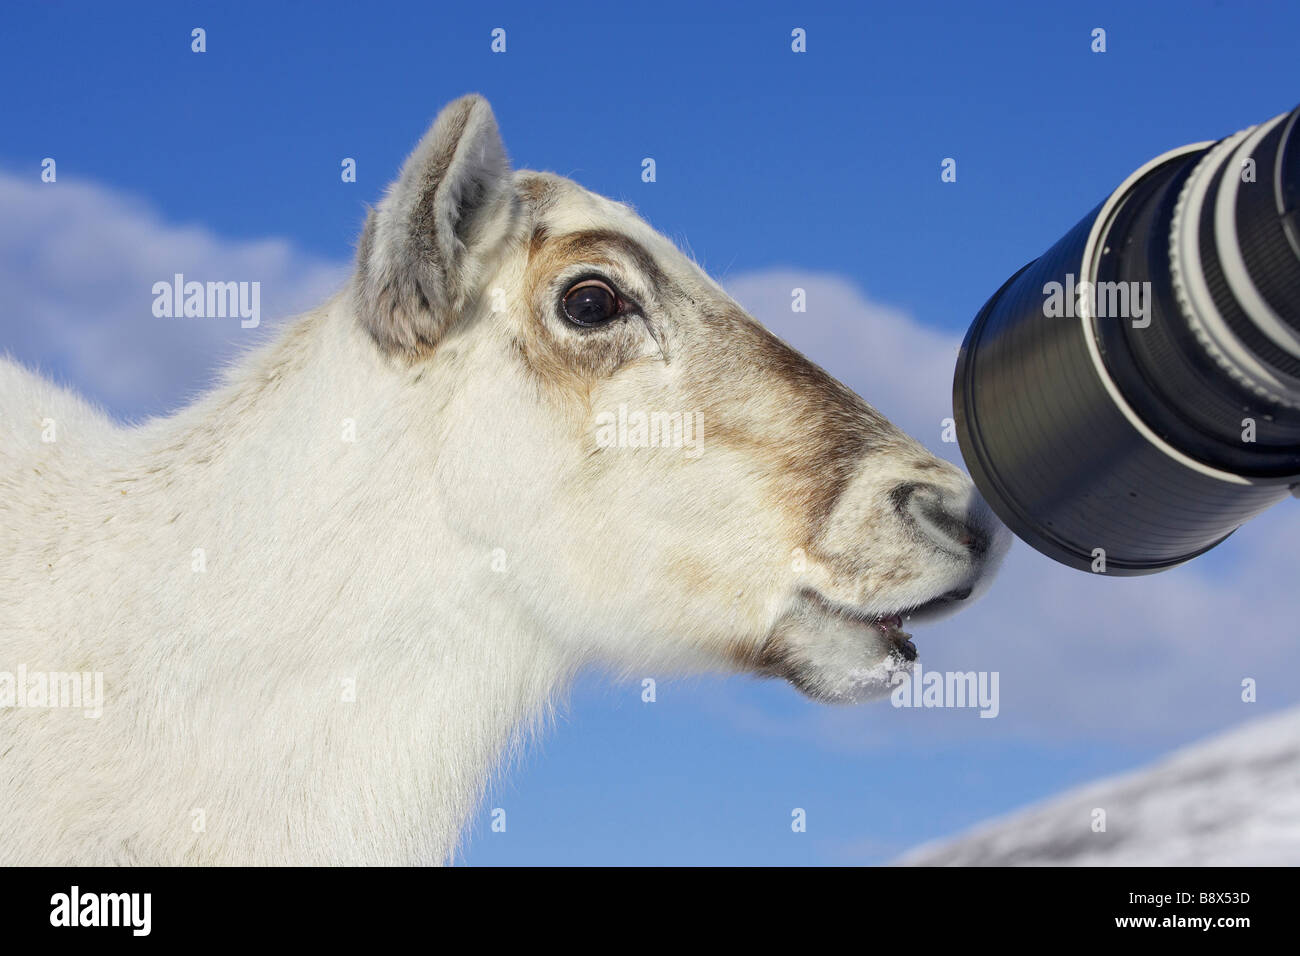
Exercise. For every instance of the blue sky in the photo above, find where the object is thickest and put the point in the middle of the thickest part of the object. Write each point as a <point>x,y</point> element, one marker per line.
<point>773,169</point>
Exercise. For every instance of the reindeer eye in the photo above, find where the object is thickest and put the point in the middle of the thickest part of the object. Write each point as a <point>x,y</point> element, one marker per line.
<point>590,302</point>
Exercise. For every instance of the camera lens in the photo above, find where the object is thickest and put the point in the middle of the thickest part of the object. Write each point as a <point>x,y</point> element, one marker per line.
<point>1132,396</point>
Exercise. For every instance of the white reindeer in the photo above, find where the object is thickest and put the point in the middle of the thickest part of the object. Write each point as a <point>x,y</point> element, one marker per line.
<point>316,650</point>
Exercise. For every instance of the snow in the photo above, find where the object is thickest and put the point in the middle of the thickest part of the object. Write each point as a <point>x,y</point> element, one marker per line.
<point>1231,800</point>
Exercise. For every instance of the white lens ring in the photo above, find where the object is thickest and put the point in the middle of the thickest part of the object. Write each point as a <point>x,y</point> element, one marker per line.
<point>1193,294</point>
<point>1233,264</point>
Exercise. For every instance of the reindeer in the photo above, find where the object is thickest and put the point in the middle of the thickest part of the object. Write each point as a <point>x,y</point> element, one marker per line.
<point>317,650</point>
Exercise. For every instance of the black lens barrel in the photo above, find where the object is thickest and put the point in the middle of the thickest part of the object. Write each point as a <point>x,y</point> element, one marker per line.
<point>1131,397</point>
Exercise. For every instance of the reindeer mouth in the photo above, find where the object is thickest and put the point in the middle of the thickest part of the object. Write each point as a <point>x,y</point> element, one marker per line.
<point>889,626</point>
<point>845,653</point>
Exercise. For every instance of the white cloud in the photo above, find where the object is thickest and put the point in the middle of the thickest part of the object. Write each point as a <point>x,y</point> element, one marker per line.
<point>77,266</point>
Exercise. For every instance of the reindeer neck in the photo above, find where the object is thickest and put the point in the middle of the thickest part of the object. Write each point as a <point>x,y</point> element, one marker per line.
<point>311,619</point>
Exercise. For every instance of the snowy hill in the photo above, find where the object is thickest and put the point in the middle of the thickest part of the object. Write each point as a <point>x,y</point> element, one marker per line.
<point>1231,800</point>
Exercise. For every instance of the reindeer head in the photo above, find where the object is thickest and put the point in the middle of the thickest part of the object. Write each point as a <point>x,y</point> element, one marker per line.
<point>664,483</point>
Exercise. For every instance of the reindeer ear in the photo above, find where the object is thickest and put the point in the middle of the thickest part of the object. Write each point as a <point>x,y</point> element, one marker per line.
<point>422,254</point>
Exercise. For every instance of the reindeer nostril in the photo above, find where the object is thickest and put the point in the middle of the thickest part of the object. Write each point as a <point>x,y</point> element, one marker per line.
<point>973,540</point>
<point>926,507</point>
<point>960,594</point>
